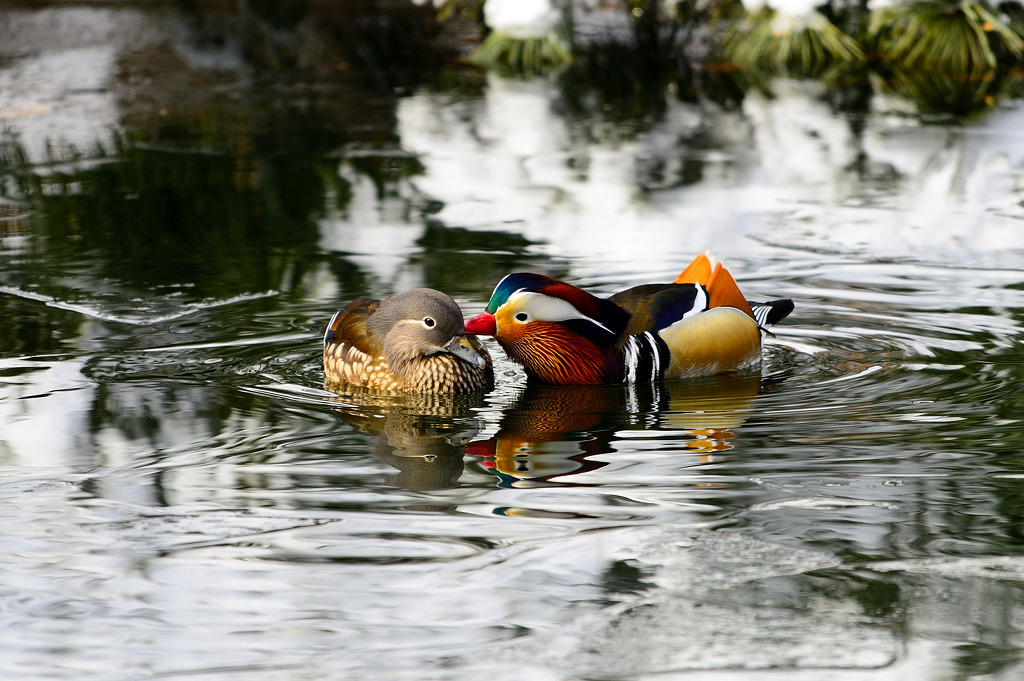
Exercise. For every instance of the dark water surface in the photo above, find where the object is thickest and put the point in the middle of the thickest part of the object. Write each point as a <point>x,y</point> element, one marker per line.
<point>180,499</point>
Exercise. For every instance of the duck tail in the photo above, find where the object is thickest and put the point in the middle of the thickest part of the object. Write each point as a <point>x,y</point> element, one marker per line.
<point>772,312</point>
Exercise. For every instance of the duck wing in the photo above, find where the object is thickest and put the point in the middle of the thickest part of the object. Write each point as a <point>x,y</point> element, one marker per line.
<point>350,348</point>
<point>653,307</point>
<point>349,326</point>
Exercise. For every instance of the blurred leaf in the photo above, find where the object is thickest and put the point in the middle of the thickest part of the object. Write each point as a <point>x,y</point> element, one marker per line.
<point>805,44</point>
<point>942,36</point>
<point>521,56</point>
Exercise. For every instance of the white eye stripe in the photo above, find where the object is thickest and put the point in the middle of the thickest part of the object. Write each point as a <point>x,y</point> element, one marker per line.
<point>415,322</point>
<point>548,309</point>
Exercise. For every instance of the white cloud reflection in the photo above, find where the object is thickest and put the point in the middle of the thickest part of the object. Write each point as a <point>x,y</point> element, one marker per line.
<point>785,170</point>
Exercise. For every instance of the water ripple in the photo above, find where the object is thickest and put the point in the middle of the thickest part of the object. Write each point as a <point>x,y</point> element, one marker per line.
<point>140,312</point>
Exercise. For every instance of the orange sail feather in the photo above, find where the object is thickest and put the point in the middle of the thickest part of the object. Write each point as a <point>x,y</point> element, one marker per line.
<point>723,291</point>
<point>697,272</point>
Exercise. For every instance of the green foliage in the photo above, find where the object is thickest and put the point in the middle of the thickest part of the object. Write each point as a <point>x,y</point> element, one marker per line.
<point>463,9</point>
<point>960,95</point>
<point>521,56</point>
<point>961,37</point>
<point>950,36</point>
<point>803,44</point>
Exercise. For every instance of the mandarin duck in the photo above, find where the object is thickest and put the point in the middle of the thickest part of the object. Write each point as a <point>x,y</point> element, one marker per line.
<point>700,324</point>
<point>412,342</point>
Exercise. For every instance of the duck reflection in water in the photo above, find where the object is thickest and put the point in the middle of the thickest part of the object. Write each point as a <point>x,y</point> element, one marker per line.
<point>553,432</point>
<point>423,437</point>
<point>549,434</point>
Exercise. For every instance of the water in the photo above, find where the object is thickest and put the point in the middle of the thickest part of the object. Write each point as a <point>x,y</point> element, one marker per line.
<point>179,498</point>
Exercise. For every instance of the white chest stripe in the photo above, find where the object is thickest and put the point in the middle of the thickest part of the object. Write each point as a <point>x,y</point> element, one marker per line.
<point>655,356</point>
<point>632,359</point>
<point>635,353</point>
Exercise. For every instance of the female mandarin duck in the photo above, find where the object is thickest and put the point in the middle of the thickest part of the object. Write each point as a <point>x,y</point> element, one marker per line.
<point>411,342</point>
<point>700,324</point>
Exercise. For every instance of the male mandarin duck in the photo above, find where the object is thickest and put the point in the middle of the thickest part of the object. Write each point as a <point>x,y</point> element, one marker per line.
<point>412,342</point>
<point>700,324</point>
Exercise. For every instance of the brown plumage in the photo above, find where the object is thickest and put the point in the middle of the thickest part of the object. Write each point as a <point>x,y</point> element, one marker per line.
<point>412,342</point>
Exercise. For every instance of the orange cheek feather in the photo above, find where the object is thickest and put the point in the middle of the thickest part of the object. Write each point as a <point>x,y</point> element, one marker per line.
<point>552,352</point>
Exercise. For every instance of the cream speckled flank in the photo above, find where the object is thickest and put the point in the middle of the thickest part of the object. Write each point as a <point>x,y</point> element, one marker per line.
<point>441,373</point>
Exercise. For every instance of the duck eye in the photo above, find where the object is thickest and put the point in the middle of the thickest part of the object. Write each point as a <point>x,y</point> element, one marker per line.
<point>428,322</point>
<point>522,317</point>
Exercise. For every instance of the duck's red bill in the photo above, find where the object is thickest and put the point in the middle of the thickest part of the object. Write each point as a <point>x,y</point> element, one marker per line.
<point>482,325</point>
<point>482,448</point>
